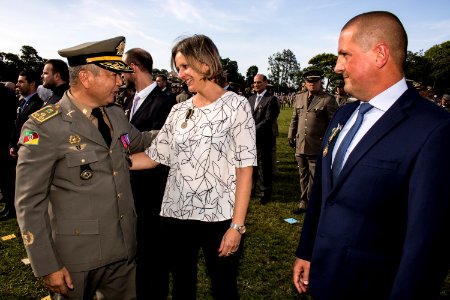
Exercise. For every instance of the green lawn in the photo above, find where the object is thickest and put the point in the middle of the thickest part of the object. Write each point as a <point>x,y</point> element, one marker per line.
<point>268,256</point>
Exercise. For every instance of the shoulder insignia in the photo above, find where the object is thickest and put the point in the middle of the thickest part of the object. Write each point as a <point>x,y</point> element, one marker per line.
<point>46,113</point>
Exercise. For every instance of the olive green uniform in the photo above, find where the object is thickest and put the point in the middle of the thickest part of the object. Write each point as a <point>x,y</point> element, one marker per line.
<point>73,196</point>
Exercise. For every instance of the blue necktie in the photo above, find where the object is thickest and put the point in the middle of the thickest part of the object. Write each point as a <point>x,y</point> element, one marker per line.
<point>338,162</point>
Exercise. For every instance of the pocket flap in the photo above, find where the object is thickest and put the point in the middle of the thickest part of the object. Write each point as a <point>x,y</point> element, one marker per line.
<point>80,158</point>
<point>77,227</point>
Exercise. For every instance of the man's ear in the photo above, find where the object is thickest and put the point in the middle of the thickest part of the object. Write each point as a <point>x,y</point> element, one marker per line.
<point>382,54</point>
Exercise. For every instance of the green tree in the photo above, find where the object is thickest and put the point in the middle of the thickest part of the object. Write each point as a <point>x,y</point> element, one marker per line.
<point>417,67</point>
<point>232,70</point>
<point>31,58</point>
<point>283,70</point>
<point>251,72</point>
<point>439,58</point>
<point>326,63</point>
<point>10,66</point>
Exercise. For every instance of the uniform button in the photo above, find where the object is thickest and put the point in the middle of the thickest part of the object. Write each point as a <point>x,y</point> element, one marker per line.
<point>115,173</point>
<point>119,195</point>
<point>306,119</point>
<point>121,217</point>
<point>110,152</point>
<point>83,160</point>
<point>76,231</point>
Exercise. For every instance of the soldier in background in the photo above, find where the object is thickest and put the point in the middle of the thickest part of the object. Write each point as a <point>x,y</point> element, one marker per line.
<point>312,112</point>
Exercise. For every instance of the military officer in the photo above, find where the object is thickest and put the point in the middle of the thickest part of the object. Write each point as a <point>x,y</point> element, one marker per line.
<point>312,112</point>
<point>73,196</point>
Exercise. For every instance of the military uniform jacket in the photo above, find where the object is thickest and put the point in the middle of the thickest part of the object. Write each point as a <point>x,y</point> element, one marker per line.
<point>66,220</point>
<point>308,124</point>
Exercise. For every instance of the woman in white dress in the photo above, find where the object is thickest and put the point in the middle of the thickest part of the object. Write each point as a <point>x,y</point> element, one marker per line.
<point>209,143</point>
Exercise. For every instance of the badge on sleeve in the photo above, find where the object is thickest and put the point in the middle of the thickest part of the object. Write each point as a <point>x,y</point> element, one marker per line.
<point>125,140</point>
<point>30,137</point>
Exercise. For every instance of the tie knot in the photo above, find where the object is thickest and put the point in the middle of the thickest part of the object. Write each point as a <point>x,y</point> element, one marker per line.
<point>96,112</point>
<point>365,107</point>
<point>136,98</point>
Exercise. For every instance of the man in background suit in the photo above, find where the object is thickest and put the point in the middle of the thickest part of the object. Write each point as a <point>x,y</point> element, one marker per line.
<point>148,111</point>
<point>312,111</point>
<point>161,80</point>
<point>265,112</point>
<point>27,84</point>
<point>55,76</point>
<point>9,105</point>
<point>378,222</point>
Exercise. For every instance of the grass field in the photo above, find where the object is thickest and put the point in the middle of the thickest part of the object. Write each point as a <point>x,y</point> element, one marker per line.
<point>270,242</point>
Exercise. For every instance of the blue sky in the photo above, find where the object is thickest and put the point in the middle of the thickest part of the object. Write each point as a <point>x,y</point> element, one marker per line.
<point>245,31</point>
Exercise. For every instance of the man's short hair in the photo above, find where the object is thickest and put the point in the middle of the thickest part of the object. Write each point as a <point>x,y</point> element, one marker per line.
<point>59,66</point>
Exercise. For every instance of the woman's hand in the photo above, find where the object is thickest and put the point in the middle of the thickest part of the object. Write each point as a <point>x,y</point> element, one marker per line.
<point>230,242</point>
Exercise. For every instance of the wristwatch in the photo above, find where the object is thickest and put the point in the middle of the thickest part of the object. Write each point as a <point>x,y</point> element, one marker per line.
<point>238,228</point>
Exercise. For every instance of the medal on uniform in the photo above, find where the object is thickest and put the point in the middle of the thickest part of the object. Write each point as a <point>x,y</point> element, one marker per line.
<point>334,132</point>
<point>75,140</point>
<point>189,114</point>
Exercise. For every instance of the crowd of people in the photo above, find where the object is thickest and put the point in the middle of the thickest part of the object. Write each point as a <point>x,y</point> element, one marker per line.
<point>117,179</point>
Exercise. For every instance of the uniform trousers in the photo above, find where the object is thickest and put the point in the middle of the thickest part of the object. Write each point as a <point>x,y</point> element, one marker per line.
<point>113,281</point>
<point>183,240</point>
<point>306,168</point>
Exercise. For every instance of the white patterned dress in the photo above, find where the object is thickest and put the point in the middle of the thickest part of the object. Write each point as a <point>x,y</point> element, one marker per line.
<point>203,157</point>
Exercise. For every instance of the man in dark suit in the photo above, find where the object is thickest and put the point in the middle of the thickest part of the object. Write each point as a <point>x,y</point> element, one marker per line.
<point>55,76</point>
<point>27,84</point>
<point>313,110</point>
<point>148,111</point>
<point>161,80</point>
<point>9,104</point>
<point>265,112</point>
<point>379,217</point>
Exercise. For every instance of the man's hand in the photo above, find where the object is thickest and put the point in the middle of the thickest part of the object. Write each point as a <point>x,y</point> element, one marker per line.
<point>13,153</point>
<point>292,143</point>
<point>59,282</point>
<point>300,275</point>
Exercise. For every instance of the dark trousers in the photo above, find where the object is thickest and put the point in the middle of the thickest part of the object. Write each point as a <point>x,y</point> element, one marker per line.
<point>8,179</point>
<point>264,171</point>
<point>183,240</point>
<point>152,274</point>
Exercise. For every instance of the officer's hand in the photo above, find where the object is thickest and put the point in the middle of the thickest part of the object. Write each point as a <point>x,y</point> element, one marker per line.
<point>292,143</point>
<point>59,282</point>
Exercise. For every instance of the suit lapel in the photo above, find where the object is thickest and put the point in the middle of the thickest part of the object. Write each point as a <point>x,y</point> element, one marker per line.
<point>327,160</point>
<point>393,116</point>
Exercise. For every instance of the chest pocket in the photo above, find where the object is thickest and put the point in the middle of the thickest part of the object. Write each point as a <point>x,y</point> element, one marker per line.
<point>75,163</point>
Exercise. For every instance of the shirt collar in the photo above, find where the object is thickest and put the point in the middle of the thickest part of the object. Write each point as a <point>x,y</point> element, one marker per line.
<point>383,101</point>
<point>262,94</point>
<point>29,96</point>
<point>146,91</point>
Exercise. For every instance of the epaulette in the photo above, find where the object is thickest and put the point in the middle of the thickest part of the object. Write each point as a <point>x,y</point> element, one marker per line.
<point>46,113</point>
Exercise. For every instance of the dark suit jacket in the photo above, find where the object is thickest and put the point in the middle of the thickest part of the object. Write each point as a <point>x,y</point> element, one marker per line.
<point>381,231</point>
<point>151,115</point>
<point>33,104</point>
<point>265,116</point>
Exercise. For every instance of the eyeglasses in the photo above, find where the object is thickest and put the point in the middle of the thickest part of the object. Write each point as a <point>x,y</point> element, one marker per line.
<point>257,82</point>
